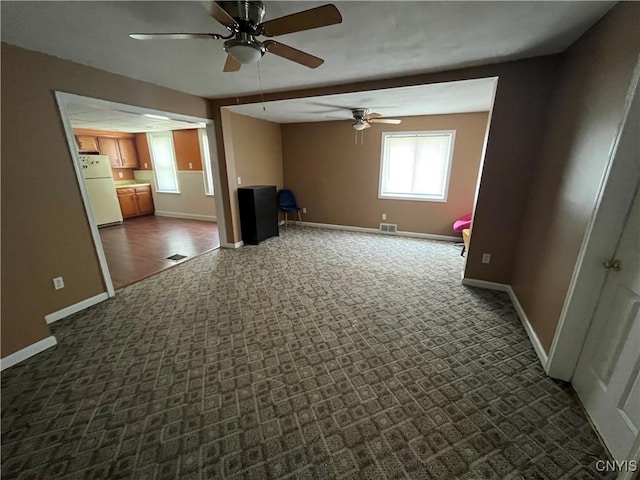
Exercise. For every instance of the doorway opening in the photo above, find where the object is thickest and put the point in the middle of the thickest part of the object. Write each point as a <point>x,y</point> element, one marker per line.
<point>148,180</point>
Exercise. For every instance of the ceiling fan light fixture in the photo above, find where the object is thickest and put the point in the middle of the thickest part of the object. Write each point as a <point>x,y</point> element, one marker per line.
<point>243,21</point>
<point>245,50</point>
<point>359,124</point>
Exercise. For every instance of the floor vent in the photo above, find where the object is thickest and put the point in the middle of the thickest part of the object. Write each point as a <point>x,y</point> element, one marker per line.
<point>176,257</point>
<point>388,227</point>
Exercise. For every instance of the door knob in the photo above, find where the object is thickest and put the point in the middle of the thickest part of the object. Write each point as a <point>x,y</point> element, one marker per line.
<point>612,265</point>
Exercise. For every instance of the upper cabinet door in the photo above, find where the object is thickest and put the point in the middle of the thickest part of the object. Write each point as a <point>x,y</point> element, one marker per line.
<point>87,144</point>
<point>109,146</point>
<point>128,152</point>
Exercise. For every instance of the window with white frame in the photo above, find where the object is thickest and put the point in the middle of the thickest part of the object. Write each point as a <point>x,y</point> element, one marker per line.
<point>163,158</point>
<point>416,165</point>
<point>206,161</point>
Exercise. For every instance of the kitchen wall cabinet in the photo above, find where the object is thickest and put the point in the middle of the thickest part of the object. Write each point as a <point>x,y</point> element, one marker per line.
<point>135,201</point>
<point>128,154</point>
<point>121,151</point>
<point>87,144</point>
<point>109,146</point>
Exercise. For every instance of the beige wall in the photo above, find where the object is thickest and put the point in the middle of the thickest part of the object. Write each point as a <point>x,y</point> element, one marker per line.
<point>517,125</point>
<point>191,202</point>
<point>253,151</point>
<point>337,180</point>
<point>587,111</point>
<point>45,232</point>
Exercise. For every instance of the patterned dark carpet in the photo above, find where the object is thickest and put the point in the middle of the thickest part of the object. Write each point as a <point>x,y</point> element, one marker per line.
<point>318,354</point>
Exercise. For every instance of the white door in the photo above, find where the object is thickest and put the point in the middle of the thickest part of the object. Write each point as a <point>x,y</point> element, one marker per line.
<point>607,377</point>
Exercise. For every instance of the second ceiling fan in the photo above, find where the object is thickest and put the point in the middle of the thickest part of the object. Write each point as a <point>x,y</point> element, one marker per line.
<point>362,119</point>
<point>243,20</point>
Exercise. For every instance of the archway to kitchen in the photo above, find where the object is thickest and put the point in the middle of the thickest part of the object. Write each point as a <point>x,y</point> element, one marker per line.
<point>148,180</point>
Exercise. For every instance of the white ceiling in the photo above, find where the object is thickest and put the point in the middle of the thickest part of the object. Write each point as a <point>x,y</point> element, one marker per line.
<point>85,115</point>
<point>376,39</point>
<point>434,99</point>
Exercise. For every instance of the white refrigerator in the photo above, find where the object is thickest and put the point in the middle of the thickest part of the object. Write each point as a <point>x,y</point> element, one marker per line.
<point>96,170</point>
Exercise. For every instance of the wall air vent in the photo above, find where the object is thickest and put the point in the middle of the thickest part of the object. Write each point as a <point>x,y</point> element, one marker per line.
<point>388,227</point>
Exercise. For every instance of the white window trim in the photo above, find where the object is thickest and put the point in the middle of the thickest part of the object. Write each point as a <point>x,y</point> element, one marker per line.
<point>173,155</point>
<point>207,167</point>
<point>411,196</point>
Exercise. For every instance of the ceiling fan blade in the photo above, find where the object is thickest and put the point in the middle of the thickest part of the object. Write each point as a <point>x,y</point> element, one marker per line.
<point>221,15</point>
<point>174,36</point>
<point>297,22</point>
<point>373,115</point>
<point>392,121</point>
<point>292,54</point>
<point>231,64</point>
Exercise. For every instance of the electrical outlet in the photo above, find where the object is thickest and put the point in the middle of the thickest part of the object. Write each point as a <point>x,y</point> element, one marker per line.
<point>486,258</point>
<point>190,165</point>
<point>304,210</point>
<point>145,165</point>
<point>120,174</point>
<point>58,283</point>
<point>384,216</point>
<point>239,181</point>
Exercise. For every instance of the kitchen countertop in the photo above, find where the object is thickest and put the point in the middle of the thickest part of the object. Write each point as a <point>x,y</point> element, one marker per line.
<point>131,183</point>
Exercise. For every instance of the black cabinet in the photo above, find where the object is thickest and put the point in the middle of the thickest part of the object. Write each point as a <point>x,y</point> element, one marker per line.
<point>258,213</point>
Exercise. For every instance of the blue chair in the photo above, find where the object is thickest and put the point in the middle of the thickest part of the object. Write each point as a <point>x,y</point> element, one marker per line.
<point>287,203</point>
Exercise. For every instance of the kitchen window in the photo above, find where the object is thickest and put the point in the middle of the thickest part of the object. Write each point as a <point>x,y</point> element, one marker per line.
<point>163,158</point>
<point>416,165</point>
<point>206,161</point>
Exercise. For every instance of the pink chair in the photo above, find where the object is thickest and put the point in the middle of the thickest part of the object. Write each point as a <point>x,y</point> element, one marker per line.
<point>463,225</point>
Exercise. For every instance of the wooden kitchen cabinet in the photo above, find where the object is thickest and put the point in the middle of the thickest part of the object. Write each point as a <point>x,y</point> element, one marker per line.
<point>144,200</point>
<point>109,146</point>
<point>128,153</point>
<point>127,200</point>
<point>87,144</point>
<point>135,201</point>
<point>121,151</point>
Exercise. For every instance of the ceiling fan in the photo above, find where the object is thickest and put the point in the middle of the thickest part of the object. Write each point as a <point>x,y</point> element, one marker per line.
<point>243,20</point>
<point>362,119</point>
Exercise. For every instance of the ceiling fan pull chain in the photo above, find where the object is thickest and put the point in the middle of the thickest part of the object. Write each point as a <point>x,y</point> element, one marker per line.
<point>264,109</point>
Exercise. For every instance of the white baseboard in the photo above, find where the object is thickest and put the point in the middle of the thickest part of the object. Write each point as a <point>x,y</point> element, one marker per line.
<point>27,352</point>
<point>472,282</point>
<point>502,287</point>
<point>75,308</point>
<point>349,228</point>
<point>232,245</point>
<point>188,216</point>
<point>535,341</point>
